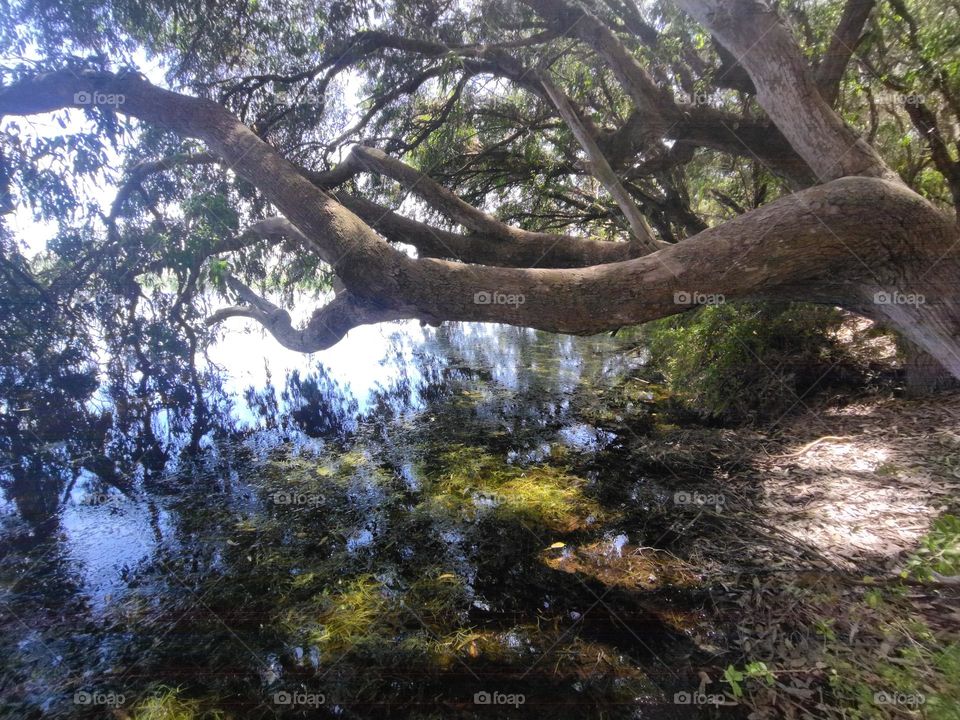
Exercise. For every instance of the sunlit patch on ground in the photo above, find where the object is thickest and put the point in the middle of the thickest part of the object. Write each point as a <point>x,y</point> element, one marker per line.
<point>868,487</point>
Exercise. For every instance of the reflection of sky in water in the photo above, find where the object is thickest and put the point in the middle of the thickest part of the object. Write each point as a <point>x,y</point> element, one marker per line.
<point>367,359</point>
<point>585,438</point>
<point>107,532</point>
<point>356,362</point>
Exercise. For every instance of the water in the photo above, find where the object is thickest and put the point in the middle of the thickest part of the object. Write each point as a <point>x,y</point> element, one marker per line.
<point>457,528</point>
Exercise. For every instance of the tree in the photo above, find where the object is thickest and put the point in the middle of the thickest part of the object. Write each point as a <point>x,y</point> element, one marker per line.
<point>578,166</point>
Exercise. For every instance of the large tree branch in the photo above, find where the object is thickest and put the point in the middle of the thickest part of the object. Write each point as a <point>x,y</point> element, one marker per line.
<point>524,249</point>
<point>491,241</point>
<point>369,159</point>
<point>703,126</point>
<point>843,43</point>
<point>332,231</point>
<point>786,89</point>
<point>881,238</point>
<point>527,250</point>
<point>658,116</point>
<point>838,243</point>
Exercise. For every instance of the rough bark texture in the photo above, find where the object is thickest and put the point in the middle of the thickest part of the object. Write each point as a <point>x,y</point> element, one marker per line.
<point>923,374</point>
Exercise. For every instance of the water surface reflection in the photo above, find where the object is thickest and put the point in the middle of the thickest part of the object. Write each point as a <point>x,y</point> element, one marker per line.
<point>469,519</point>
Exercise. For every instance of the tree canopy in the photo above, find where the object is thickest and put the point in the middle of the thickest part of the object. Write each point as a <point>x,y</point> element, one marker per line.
<point>572,166</point>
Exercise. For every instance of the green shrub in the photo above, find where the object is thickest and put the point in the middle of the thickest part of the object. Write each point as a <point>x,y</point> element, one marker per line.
<point>747,361</point>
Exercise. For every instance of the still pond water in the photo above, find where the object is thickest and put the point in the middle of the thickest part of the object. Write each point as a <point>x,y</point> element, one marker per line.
<point>469,529</point>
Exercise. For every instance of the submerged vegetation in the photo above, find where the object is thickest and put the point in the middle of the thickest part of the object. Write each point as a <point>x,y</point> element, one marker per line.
<point>554,531</point>
<point>167,704</point>
<point>472,481</point>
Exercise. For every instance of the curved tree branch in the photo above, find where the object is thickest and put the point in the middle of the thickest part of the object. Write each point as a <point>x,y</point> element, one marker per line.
<point>528,250</point>
<point>326,327</point>
<point>837,243</point>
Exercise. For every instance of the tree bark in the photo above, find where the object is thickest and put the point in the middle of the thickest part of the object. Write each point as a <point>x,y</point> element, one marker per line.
<point>923,375</point>
<point>854,242</point>
<point>786,88</point>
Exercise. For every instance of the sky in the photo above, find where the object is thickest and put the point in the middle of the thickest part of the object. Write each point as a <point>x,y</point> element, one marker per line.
<point>245,350</point>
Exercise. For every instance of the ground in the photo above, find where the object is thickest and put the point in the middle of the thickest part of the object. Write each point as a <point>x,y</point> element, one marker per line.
<point>813,558</point>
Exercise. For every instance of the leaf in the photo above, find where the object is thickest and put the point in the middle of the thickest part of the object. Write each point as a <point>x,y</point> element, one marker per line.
<point>733,677</point>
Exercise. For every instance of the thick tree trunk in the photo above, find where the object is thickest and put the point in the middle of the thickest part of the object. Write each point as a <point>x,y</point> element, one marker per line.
<point>923,374</point>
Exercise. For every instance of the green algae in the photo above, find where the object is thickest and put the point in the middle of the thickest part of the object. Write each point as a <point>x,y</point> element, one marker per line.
<point>471,481</point>
<point>167,704</point>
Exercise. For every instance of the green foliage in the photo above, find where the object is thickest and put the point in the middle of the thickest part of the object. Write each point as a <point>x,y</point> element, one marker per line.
<point>939,550</point>
<point>743,361</point>
<point>755,670</point>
